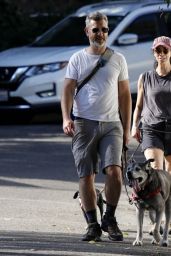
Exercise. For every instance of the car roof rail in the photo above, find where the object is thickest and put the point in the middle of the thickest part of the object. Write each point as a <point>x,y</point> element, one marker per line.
<point>106,4</point>
<point>151,2</point>
<point>125,6</point>
<point>119,2</point>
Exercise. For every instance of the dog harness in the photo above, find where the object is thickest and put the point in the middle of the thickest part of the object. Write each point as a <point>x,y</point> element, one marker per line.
<point>142,198</point>
<point>136,197</point>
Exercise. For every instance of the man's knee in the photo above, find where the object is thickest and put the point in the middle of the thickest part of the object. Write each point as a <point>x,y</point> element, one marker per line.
<point>113,170</point>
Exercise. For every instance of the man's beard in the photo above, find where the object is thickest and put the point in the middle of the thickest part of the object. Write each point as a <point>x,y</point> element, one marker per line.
<point>96,44</point>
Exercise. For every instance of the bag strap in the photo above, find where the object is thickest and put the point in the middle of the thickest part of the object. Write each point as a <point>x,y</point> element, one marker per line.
<point>101,63</point>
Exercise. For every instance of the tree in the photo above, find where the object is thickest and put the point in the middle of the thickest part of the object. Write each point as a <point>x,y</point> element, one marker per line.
<point>167,2</point>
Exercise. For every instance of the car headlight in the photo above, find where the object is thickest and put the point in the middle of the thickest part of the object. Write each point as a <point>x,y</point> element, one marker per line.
<point>45,68</point>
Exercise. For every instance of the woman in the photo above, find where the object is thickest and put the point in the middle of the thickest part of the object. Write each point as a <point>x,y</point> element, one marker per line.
<point>153,107</point>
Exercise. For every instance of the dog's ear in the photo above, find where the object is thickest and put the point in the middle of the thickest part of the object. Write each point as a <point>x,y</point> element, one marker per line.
<point>150,160</point>
<point>148,164</point>
<point>130,165</point>
<point>76,194</point>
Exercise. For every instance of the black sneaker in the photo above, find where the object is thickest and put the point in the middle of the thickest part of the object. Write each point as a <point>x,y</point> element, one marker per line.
<point>110,225</point>
<point>93,233</point>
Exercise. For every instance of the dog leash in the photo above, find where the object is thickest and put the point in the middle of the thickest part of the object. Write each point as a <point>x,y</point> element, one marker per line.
<point>124,167</point>
<point>132,156</point>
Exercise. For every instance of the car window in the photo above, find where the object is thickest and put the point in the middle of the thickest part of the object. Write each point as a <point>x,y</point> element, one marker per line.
<point>70,32</point>
<point>168,23</point>
<point>165,23</point>
<point>113,21</point>
<point>145,27</point>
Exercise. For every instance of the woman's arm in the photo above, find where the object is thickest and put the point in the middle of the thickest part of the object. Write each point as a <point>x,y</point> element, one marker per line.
<point>135,131</point>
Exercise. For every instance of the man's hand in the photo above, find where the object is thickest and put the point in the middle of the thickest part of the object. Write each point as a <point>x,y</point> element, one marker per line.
<point>68,127</point>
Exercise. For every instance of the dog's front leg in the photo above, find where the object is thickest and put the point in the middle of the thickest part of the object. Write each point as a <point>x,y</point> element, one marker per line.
<point>156,232</point>
<point>165,241</point>
<point>140,216</point>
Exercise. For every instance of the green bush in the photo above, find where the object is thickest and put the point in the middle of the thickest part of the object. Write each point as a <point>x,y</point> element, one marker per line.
<point>17,28</point>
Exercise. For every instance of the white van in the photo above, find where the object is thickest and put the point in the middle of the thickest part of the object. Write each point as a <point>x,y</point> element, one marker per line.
<point>31,77</point>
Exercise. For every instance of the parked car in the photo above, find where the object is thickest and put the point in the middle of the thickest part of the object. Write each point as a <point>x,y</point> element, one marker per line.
<point>31,77</point>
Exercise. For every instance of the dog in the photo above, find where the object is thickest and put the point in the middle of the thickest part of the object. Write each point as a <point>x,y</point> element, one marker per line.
<point>100,203</point>
<point>152,192</point>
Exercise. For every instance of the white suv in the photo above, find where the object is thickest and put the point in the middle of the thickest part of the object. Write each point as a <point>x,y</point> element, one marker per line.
<point>31,77</point>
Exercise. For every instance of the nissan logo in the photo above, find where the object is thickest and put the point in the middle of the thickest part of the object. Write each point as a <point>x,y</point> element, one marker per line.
<point>3,73</point>
<point>6,71</point>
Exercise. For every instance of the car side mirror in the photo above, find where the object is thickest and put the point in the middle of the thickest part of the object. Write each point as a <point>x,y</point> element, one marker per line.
<point>127,39</point>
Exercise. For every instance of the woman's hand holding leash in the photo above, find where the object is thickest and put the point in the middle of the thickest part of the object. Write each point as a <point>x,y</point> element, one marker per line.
<point>135,133</point>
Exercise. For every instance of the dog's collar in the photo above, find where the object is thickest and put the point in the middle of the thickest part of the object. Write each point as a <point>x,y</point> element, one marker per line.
<point>136,197</point>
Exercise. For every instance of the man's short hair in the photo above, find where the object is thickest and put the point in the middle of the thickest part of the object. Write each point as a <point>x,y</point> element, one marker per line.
<point>95,16</point>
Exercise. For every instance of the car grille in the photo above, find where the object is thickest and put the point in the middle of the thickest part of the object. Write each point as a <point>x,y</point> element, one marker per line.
<point>15,101</point>
<point>6,74</point>
<point>9,86</point>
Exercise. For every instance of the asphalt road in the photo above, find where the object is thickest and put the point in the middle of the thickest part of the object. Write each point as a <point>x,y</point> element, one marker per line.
<point>38,215</point>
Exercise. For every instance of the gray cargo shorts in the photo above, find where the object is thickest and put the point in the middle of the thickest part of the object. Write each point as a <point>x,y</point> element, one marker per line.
<point>96,144</point>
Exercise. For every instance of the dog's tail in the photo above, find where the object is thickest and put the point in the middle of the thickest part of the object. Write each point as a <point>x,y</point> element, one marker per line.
<point>81,206</point>
<point>100,202</point>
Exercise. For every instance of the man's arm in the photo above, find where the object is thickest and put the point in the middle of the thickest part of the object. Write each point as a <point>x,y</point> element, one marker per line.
<point>125,108</point>
<point>66,105</point>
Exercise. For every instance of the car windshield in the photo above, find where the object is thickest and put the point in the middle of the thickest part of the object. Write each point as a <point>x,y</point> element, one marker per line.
<point>70,32</point>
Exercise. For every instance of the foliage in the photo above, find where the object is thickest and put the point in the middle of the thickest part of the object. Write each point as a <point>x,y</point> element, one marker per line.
<point>17,27</point>
<point>167,2</point>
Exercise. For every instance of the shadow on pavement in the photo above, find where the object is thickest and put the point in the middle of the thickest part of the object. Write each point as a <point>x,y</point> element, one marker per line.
<point>36,152</point>
<point>25,243</point>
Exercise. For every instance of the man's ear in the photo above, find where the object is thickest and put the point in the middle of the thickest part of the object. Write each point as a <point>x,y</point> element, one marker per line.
<point>86,31</point>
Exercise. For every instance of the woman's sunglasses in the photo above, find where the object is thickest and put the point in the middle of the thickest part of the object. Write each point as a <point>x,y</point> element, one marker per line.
<point>97,30</point>
<point>160,50</point>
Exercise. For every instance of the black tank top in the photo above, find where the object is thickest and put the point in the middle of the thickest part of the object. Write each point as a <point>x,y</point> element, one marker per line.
<point>157,98</point>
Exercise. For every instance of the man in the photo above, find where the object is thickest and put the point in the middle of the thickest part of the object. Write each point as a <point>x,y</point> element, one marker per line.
<point>97,131</point>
